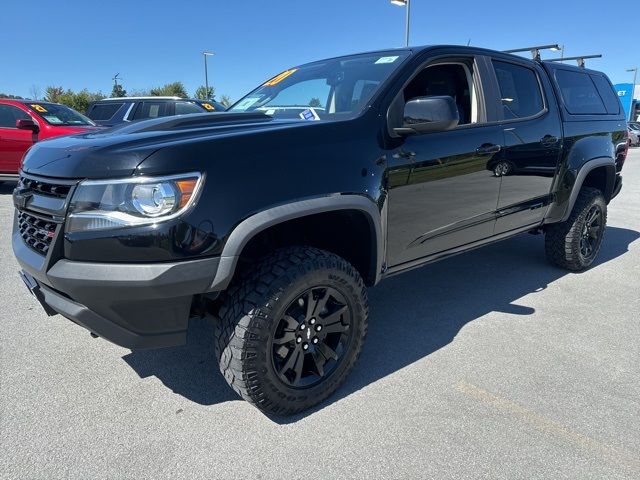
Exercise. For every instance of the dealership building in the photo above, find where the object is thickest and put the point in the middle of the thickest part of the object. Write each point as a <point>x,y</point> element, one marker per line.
<point>630,98</point>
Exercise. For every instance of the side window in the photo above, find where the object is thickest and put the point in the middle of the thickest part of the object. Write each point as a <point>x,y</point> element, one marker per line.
<point>151,109</point>
<point>579,93</point>
<point>447,79</point>
<point>182,108</point>
<point>519,90</point>
<point>104,111</point>
<point>607,93</point>
<point>9,115</point>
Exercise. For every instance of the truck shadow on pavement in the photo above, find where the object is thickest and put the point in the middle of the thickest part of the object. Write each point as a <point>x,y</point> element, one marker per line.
<point>6,188</point>
<point>411,316</point>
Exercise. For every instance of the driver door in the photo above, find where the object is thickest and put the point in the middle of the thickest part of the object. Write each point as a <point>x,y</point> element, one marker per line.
<point>442,195</point>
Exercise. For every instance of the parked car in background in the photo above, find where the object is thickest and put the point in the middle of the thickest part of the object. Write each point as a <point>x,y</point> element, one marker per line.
<point>25,122</point>
<point>634,137</point>
<point>114,111</point>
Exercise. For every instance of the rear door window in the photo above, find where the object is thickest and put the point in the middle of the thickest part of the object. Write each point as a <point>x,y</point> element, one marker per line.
<point>579,93</point>
<point>150,110</point>
<point>519,90</point>
<point>104,111</point>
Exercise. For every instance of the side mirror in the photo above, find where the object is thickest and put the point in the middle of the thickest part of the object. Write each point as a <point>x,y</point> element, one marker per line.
<point>27,124</point>
<point>429,114</point>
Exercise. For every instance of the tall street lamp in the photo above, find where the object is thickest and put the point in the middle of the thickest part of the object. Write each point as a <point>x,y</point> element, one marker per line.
<point>206,72</point>
<point>633,89</point>
<point>405,3</point>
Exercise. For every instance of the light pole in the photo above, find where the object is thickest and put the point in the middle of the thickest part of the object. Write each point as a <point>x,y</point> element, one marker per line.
<point>633,90</point>
<point>206,72</point>
<point>405,3</point>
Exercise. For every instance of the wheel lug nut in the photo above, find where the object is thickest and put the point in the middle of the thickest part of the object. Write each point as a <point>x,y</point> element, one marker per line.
<point>315,341</point>
<point>303,326</point>
<point>305,346</point>
<point>312,321</point>
<point>318,328</point>
<point>299,340</point>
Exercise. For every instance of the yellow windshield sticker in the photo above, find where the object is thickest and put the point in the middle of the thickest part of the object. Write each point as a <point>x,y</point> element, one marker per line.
<point>208,106</point>
<point>39,108</point>
<point>278,78</point>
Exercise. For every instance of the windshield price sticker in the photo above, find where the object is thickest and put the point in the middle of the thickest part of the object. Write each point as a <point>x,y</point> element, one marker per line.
<point>310,114</point>
<point>208,106</point>
<point>39,108</point>
<point>382,60</point>
<point>278,78</point>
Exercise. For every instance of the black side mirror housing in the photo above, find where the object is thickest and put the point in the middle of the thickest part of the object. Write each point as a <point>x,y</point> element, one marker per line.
<point>429,114</point>
<point>27,124</point>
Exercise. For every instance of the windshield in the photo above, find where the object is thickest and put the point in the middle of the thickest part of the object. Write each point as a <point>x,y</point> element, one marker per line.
<point>327,90</point>
<point>55,114</point>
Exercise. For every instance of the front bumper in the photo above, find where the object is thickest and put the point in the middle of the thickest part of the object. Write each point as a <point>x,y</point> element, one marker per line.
<point>136,306</point>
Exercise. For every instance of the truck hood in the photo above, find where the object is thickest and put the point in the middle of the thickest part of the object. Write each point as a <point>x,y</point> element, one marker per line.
<point>116,152</point>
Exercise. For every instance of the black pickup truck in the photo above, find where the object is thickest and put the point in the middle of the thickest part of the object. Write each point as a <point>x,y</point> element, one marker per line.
<point>275,217</point>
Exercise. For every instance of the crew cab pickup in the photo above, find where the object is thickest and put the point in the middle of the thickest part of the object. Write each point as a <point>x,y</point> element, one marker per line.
<point>275,217</point>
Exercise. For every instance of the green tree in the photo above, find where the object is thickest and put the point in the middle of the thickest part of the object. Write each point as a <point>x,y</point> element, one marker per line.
<point>78,101</point>
<point>53,94</point>
<point>7,95</point>
<point>315,103</point>
<point>225,100</point>
<point>118,91</point>
<point>174,89</point>
<point>203,94</point>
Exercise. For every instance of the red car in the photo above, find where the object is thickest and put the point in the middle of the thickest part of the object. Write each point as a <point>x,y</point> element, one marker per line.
<point>24,122</point>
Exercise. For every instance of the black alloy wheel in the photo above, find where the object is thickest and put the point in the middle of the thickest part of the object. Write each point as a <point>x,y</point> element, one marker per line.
<point>311,338</point>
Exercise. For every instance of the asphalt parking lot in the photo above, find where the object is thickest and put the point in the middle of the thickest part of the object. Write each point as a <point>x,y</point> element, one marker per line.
<point>493,364</point>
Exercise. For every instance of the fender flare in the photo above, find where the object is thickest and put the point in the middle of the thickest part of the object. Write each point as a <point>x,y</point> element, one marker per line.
<point>253,225</point>
<point>587,168</point>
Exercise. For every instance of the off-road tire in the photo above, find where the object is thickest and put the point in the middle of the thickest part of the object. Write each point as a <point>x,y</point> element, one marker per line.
<point>252,311</point>
<point>562,240</point>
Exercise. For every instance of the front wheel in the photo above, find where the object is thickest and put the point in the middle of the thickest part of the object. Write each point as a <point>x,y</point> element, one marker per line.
<point>575,243</point>
<point>291,331</point>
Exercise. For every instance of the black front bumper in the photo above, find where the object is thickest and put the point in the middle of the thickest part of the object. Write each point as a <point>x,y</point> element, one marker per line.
<point>137,306</point>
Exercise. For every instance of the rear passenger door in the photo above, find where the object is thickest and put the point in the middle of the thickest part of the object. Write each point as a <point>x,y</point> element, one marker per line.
<point>532,143</point>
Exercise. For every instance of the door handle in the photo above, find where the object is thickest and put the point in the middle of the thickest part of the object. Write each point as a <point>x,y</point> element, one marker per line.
<point>488,149</point>
<point>549,140</point>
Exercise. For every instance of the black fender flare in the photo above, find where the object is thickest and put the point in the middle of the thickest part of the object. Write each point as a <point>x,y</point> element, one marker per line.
<point>587,168</point>
<point>251,226</point>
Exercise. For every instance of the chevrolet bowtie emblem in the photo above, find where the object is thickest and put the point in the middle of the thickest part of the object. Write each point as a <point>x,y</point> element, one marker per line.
<point>20,198</point>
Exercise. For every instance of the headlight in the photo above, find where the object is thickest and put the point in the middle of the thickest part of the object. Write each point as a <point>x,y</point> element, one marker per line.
<point>108,204</point>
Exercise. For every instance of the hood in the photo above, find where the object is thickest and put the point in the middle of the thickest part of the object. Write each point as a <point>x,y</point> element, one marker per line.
<point>116,152</point>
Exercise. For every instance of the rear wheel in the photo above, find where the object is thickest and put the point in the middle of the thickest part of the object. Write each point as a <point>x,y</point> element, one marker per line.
<point>291,331</point>
<point>575,243</point>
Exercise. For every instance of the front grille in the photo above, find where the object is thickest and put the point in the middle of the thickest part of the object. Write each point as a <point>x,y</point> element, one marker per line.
<point>44,188</point>
<point>38,220</point>
<point>37,232</point>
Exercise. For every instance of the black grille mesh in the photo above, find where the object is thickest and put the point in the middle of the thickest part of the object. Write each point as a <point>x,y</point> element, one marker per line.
<point>36,232</point>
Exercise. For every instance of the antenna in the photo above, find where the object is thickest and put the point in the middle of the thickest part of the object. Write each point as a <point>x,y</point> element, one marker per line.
<point>580,59</point>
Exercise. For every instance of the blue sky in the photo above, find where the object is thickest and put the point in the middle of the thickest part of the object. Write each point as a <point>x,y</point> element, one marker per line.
<point>82,44</point>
